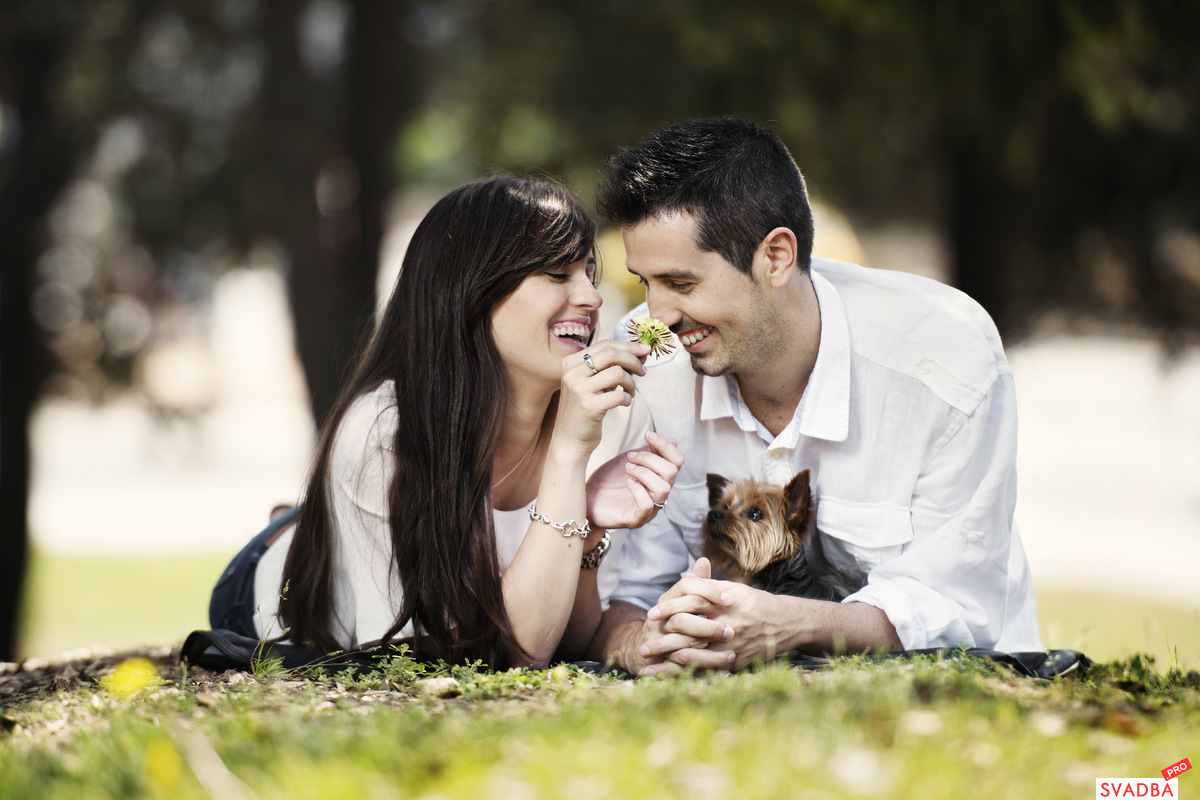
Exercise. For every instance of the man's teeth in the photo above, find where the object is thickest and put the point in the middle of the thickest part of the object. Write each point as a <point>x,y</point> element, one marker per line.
<point>574,331</point>
<point>692,338</point>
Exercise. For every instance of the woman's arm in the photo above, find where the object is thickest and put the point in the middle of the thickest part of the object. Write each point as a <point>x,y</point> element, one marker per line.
<point>545,590</point>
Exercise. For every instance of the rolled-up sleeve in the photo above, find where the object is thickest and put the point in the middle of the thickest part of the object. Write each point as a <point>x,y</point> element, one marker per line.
<point>951,585</point>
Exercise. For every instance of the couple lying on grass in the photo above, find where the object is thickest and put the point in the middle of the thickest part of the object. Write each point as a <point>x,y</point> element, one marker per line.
<point>499,483</point>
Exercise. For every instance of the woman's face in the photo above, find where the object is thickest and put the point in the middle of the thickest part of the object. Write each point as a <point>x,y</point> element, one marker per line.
<point>551,315</point>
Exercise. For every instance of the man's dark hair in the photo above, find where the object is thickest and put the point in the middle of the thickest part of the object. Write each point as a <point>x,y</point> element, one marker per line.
<point>736,179</point>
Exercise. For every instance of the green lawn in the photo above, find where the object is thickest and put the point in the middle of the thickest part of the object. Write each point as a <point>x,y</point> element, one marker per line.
<point>926,729</point>
<point>116,602</point>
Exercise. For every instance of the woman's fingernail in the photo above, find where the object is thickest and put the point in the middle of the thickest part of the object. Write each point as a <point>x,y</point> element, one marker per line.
<point>644,650</point>
<point>653,614</point>
<point>726,599</point>
<point>730,658</point>
<point>727,633</point>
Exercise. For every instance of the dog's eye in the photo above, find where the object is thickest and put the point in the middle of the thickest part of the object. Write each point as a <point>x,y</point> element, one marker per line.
<point>754,515</point>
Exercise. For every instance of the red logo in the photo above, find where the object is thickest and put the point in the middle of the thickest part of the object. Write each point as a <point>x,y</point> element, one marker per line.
<point>1152,788</point>
<point>1175,770</point>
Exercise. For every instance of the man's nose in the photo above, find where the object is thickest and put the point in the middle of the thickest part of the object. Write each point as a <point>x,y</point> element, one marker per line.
<point>661,308</point>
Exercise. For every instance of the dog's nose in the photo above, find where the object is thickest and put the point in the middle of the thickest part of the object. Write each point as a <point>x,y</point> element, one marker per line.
<point>716,517</point>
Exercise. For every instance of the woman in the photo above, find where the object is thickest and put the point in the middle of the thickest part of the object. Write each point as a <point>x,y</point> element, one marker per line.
<point>448,480</point>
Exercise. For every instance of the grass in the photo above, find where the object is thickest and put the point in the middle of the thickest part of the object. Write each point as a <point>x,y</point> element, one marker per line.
<point>121,603</point>
<point>116,602</point>
<point>929,729</point>
<point>925,729</point>
<point>1113,626</point>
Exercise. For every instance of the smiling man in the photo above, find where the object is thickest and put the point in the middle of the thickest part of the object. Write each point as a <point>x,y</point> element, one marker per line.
<point>893,390</point>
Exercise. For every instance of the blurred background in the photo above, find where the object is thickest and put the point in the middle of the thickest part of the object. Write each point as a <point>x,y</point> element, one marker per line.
<point>203,201</point>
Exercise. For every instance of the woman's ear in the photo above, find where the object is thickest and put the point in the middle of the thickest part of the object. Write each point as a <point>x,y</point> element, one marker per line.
<point>778,254</point>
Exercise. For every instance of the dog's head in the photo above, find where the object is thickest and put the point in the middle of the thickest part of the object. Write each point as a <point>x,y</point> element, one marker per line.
<point>751,525</point>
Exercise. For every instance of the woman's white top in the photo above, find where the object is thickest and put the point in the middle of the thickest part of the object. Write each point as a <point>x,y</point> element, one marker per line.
<point>366,590</point>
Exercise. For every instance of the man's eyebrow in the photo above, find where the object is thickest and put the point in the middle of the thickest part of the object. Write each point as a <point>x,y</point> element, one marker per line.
<point>666,274</point>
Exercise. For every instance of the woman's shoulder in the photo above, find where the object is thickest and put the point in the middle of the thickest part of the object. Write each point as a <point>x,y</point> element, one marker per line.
<point>370,420</point>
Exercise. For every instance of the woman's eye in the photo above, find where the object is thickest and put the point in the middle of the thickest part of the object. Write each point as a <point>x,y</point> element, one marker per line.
<point>754,515</point>
<point>558,276</point>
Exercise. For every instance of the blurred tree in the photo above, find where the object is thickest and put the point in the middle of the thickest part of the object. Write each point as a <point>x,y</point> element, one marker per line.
<point>35,163</point>
<point>146,145</point>
<point>1053,145</point>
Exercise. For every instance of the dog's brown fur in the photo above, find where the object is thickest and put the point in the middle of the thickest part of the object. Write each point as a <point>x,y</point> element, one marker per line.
<point>765,535</point>
<point>740,546</point>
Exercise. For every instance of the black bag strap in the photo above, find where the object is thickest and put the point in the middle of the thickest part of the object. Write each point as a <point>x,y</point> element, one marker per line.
<point>220,649</point>
<point>1049,664</point>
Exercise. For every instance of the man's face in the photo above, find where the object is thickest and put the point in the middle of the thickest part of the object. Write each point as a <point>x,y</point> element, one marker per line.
<point>721,316</point>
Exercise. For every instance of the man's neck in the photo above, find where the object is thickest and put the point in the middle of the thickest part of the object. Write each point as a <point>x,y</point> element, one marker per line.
<point>773,392</point>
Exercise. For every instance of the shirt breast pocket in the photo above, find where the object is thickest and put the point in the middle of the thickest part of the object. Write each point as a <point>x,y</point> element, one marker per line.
<point>686,508</point>
<point>858,537</point>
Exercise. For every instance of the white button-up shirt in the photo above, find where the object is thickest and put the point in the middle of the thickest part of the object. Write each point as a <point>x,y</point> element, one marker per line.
<point>908,426</point>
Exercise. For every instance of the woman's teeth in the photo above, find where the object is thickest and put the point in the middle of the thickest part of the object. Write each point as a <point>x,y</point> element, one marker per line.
<point>571,331</point>
<point>692,338</point>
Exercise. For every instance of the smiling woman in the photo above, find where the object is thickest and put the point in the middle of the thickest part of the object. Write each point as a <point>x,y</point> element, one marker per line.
<point>465,483</point>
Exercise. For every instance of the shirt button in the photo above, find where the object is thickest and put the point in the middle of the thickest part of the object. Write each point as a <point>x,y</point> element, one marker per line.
<point>776,454</point>
<point>973,537</point>
<point>699,516</point>
<point>926,367</point>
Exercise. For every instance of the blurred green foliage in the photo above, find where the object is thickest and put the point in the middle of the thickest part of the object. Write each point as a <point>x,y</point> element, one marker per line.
<point>1053,145</point>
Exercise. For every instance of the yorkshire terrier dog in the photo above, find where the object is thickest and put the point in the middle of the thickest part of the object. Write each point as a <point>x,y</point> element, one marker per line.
<point>766,536</point>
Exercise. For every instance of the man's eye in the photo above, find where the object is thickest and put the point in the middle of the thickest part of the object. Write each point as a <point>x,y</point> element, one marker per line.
<point>680,287</point>
<point>754,515</point>
<point>641,280</point>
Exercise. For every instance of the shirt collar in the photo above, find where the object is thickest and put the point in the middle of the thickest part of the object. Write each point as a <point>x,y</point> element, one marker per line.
<point>826,406</point>
<point>825,410</point>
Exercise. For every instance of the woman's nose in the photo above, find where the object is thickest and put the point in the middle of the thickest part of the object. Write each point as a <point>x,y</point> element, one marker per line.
<point>587,296</point>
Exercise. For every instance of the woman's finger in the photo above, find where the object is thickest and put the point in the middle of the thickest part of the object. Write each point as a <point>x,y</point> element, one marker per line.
<point>608,354</point>
<point>654,485</point>
<point>665,447</point>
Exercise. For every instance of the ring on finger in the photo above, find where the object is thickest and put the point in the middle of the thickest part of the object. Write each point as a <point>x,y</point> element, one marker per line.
<point>587,359</point>
<point>659,505</point>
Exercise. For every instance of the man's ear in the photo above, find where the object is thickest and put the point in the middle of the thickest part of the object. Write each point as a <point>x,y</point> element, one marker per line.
<point>778,251</point>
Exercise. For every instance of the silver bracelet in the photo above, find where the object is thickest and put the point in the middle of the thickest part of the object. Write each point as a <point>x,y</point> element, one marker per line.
<point>568,528</point>
<point>592,558</point>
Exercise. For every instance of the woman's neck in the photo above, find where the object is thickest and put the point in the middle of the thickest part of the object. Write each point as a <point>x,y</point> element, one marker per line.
<point>517,466</point>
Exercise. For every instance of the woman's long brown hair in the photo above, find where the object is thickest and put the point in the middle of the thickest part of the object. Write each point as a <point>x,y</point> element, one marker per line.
<point>471,250</point>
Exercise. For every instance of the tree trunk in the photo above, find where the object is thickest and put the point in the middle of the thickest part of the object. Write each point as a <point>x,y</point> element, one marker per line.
<point>39,168</point>
<point>983,228</point>
<point>332,286</point>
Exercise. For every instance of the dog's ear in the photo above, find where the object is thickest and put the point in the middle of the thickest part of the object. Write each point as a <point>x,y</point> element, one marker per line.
<point>797,499</point>
<point>716,487</point>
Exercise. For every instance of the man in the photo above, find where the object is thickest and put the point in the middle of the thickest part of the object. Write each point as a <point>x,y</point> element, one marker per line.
<point>893,390</point>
